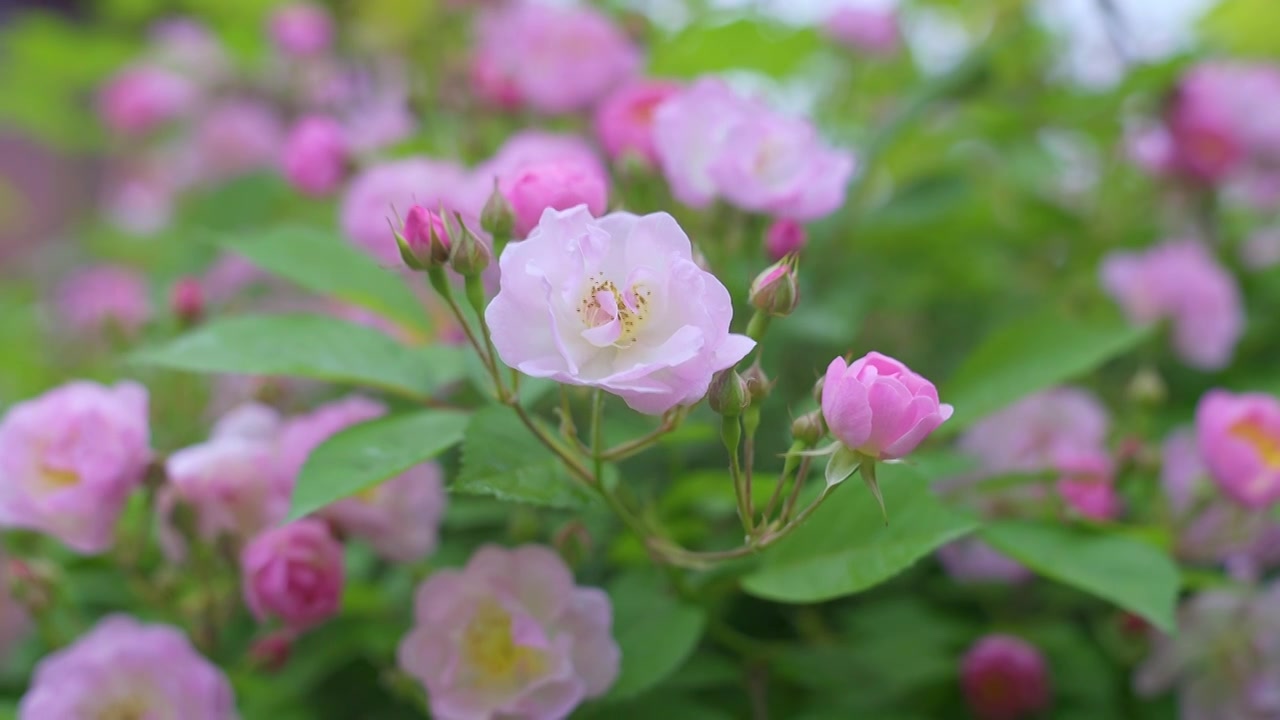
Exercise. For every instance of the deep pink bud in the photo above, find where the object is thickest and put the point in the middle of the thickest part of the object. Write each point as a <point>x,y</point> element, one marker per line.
<point>315,155</point>
<point>294,573</point>
<point>272,651</point>
<point>424,240</point>
<point>138,99</point>
<point>556,185</point>
<point>880,407</point>
<point>1004,678</point>
<point>186,300</point>
<point>784,237</point>
<point>302,29</point>
<point>1087,486</point>
<point>776,291</point>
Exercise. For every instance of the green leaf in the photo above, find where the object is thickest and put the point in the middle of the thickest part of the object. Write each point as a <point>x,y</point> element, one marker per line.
<point>1033,354</point>
<point>769,48</point>
<point>366,454</point>
<point>846,546</point>
<point>1127,572</point>
<point>322,262</point>
<point>1244,27</point>
<point>502,459</point>
<point>309,346</point>
<point>655,630</point>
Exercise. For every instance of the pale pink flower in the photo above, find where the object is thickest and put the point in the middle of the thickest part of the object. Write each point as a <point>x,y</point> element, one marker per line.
<point>1181,469</point>
<point>69,460</point>
<point>139,205</point>
<point>1180,281</point>
<point>880,407</point>
<point>1261,250</point>
<point>237,136</point>
<point>689,134</point>
<point>400,518</point>
<point>1031,434</point>
<point>94,298</point>
<point>1239,439</point>
<point>521,150</point>
<point>615,303</point>
<point>555,185</point>
<point>376,194</point>
<point>970,560</point>
<point>140,98</point>
<point>294,573</point>
<point>125,669</point>
<point>1225,117</point>
<point>1005,678</point>
<point>315,155</point>
<point>301,29</point>
<point>187,46</point>
<point>510,636</point>
<point>1151,148</point>
<point>870,30</point>
<point>1087,486</point>
<point>553,58</point>
<point>624,119</point>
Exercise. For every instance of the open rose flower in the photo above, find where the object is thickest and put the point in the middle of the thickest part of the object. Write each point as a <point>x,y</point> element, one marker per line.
<point>510,636</point>
<point>624,120</point>
<point>1004,678</point>
<point>879,407</point>
<point>70,458</point>
<point>615,303</point>
<point>1239,439</point>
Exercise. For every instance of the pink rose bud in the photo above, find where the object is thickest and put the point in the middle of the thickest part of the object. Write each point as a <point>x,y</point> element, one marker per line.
<point>186,300</point>
<point>302,29</point>
<point>809,428</point>
<point>1087,486</point>
<point>878,407</point>
<point>728,394</point>
<point>315,155</point>
<point>294,573</point>
<point>776,291</point>
<point>424,241</point>
<point>140,98</point>
<point>1239,439</point>
<point>1004,678</point>
<point>784,237</point>
<point>556,185</point>
<point>470,255</point>
<point>69,460</point>
<point>510,635</point>
<point>624,120</point>
<point>272,651</point>
<point>497,218</point>
<point>122,668</point>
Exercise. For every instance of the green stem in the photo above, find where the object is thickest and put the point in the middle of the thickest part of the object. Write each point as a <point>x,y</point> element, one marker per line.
<point>788,466</point>
<point>731,434</point>
<point>670,422</point>
<point>757,327</point>
<point>597,435</point>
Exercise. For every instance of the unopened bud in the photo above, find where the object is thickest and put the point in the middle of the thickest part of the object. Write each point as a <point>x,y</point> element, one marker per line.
<point>424,241</point>
<point>271,652</point>
<point>784,237</point>
<point>728,393</point>
<point>497,218</point>
<point>1147,387</point>
<point>776,291</point>
<point>186,300</point>
<point>758,384</point>
<point>809,428</point>
<point>470,256</point>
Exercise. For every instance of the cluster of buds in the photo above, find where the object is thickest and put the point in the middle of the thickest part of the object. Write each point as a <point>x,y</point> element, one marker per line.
<point>429,239</point>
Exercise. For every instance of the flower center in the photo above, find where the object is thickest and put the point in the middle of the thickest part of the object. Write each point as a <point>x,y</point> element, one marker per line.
<point>1265,444</point>
<point>612,316</point>
<point>489,647</point>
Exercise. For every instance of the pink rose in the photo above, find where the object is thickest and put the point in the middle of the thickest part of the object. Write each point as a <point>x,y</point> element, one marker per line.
<point>1224,118</point>
<point>69,460</point>
<point>236,137</point>
<point>400,518</point>
<point>555,185</point>
<point>783,238</point>
<point>315,155</point>
<point>879,407</point>
<point>510,635</point>
<point>553,58</point>
<point>1087,486</point>
<point>302,29</point>
<point>294,573</point>
<point>873,31</point>
<point>1181,469</point>
<point>140,98</point>
<point>375,194</point>
<point>1180,281</point>
<point>1004,678</point>
<point>521,150</point>
<point>624,120</point>
<point>616,303</point>
<point>1239,439</point>
<point>94,298</point>
<point>1031,434</point>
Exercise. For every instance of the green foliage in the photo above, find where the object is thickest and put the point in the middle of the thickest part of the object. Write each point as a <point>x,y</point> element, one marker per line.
<point>655,630</point>
<point>765,47</point>
<point>502,460</point>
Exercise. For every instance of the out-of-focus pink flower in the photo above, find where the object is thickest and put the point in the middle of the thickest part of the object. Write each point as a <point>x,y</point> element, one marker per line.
<point>228,275</point>
<point>139,205</point>
<point>140,98</point>
<point>1225,117</point>
<point>294,573</point>
<point>125,669</point>
<point>870,30</point>
<point>970,560</point>
<point>188,47</point>
<point>92,298</point>
<point>1004,678</point>
<point>880,407</point>
<point>1181,469</point>
<point>624,120</point>
<point>69,460</point>
<point>713,143</point>
<point>552,58</point>
<point>1224,660</point>
<point>1151,148</point>
<point>302,29</point>
<point>521,150</point>
<point>615,303</point>
<point>1029,435</point>
<point>400,518</point>
<point>510,635</point>
<point>555,185</point>
<point>315,155</point>
<point>1239,439</point>
<point>784,237</point>
<point>304,433</point>
<point>1087,486</point>
<point>376,194</point>
<point>1261,250</point>
<point>227,480</point>
<point>186,299</point>
<point>236,137</point>
<point>1180,281</point>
